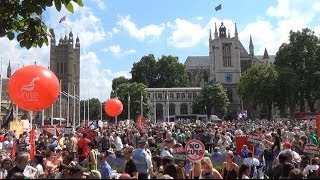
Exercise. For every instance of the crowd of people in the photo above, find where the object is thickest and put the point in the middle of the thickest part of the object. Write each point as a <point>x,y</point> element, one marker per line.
<point>147,152</point>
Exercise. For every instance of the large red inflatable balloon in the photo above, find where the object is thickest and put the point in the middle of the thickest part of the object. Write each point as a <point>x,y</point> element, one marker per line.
<point>113,107</point>
<point>33,88</point>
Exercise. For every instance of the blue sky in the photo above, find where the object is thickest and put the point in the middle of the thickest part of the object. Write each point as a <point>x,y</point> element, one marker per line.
<point>116,33</point>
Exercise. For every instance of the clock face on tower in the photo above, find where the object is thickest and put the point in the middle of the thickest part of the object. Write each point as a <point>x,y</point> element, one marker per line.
<point>228,78</point>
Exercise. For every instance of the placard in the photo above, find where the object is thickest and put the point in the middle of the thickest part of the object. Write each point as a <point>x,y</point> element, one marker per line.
<point>254,139</point>
<point>311,149</point>
<point>179,155</point>
<point>195,150</point>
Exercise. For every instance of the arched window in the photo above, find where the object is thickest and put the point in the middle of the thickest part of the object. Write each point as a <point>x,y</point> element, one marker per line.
<point>184,108</point>
<point>159,111</point>
<point>229,93</point>
<point>172,109</point>
<point>226,50</point>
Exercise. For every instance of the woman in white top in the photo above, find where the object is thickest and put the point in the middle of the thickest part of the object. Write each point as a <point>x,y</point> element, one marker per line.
<point>38,162</point>
<point>313,167</point>
<point>208,169</point>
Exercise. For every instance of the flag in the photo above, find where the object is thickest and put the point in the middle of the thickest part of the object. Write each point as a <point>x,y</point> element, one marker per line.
<point>218,7</point>
<point>32,143</point>
<point>63,18</point>
<point>8,119</point>
<point>13,150</point>
<point>141,121</point>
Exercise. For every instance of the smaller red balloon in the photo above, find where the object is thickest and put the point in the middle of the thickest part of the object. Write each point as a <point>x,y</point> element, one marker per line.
<point>113,107</point>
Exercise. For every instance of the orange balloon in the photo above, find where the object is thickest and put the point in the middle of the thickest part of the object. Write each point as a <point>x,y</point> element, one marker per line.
<point>33,88</point>
<point>113,107</point>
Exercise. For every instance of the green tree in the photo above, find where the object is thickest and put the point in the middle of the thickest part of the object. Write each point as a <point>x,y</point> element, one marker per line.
<point>134,90</point>
<point>94,109</point>
<point>257,86</point>
<point>171,73</point>
<point>167,72</point>
<point>118,81</point>
<point>301,55</point>
<point>23,19</point>
<point>213,99</point>
<point>145,71</point>
<point>287,91</point>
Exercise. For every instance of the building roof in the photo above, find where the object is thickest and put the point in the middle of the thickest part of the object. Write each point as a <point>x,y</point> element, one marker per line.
<point>197,61</point>
<point>243,52</point>
<point>270,60</point>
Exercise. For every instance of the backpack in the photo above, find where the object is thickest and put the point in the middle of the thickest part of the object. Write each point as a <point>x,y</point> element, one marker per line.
<point>312,174</point>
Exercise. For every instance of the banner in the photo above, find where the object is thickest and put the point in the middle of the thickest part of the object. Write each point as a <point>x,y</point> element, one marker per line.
<point>179,155</point>
<point>50,129</point>
<point>311,149</point>
<point>91,133</point>
<point>16,126</point>
<point>243,140</point>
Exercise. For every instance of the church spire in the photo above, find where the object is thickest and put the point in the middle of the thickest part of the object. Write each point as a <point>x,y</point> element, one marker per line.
<point>9,70</point>
<point>215,31</point>
<point>235,31</point>
<point>265,54</point>
<point>251,47</point>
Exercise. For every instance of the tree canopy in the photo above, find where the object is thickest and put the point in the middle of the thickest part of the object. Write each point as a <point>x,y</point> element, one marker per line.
<point>257,86</point>
<point>23,20</point>
<point>301,57</point>
<point>167,72</point>
<point>213,99</point>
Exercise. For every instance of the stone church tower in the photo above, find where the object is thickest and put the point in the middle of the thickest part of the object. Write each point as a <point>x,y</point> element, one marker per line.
<point>65,63</point>
<point>225,64</point>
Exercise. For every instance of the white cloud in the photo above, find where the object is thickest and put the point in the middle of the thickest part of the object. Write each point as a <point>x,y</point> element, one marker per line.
<point>290,15</point>
<point>95,81</point>
<point>185,34</point>
<point>150,31</point>
<point>100,3</point>
<point>117,51</point>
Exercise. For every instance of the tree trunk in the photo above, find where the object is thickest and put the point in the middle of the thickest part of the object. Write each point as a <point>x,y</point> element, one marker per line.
<point>311,105</point>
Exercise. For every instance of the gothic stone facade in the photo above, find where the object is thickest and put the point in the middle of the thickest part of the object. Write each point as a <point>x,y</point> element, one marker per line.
<point>226,61</point>
<point>65,63</point>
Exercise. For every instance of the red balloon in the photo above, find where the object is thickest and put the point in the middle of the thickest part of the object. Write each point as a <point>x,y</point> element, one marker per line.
<point>113,107</point>
<point>33,88</point>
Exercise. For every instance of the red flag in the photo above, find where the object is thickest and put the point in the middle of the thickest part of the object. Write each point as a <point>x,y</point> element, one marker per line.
<point>13,150</point>
<point>141,121</point>
<point>32,142</point>
<point>63,18</point>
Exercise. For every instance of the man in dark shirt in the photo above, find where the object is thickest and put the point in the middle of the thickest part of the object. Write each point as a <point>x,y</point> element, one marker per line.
<point>130,168</point>
<point>22,160</point>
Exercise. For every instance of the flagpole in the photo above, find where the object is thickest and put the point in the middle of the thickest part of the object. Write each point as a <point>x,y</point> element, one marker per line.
<point>168,105</point>
<point>74,108</point>
<point>42,117</point>
<point>84,107</point>
<point>88,108</point>
<point>155,106</point>
<point>1,90</point>
<point>141,106</point>
<point>68,108</point>
<point>128,105</point>
<point>51,114</point>
<point>31,114</point>
<point>101,107</point>
<point>79,113</point>
<point>60,105</point>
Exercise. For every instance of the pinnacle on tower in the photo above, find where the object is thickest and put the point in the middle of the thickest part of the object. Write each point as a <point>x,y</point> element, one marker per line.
<point>235,30</point>
<point>228,33</point>
<point>251,47</point>
<point>9,70</point>
<point>215,31</point>
<point>210,37</point>
<point>265,54</point>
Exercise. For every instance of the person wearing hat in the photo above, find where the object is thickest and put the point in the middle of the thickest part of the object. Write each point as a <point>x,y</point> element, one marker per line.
<point>296,158</point>
<point>58,156</point>
<point>142,160</point>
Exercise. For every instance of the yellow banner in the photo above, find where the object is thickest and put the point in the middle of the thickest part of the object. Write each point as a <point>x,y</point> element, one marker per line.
<point>17,126</point>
